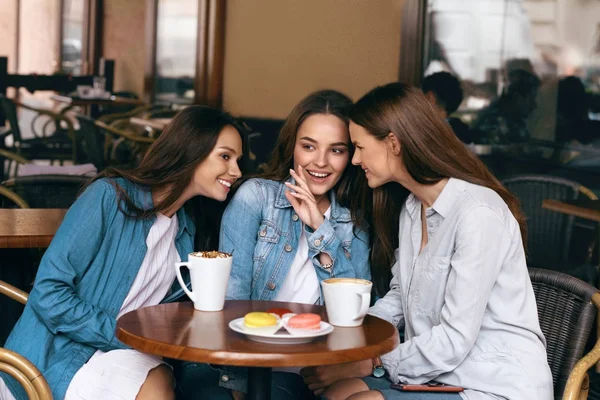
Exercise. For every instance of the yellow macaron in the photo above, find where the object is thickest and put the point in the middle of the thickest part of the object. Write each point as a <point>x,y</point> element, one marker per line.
<point>259,320</point>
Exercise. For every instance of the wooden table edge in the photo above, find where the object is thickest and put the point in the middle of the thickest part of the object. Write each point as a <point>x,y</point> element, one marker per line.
<point>257,360</point>
<point>570,209</point>
<point>25,242</point>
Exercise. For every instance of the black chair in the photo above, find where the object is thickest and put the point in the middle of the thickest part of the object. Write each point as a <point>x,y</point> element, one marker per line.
<point>567,307</point>
<point>9,199</point>
<point>92,142</point>
<point>60,145</point>
<point>47,191</point>
<point>549,233</point>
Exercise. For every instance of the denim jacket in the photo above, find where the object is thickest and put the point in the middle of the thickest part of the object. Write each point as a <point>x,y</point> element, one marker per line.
<point>261,226</point>
<point>82,282</point>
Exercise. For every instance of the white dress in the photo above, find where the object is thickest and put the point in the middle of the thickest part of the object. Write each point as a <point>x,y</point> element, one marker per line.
<point>119,374</point>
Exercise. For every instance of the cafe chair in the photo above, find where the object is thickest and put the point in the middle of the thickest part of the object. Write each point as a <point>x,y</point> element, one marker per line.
<point>124,148</point>
<point>58,143</point>
<point>48,191</point>
<point>10,163</point>
<point>19,367</point>
<point>567,307</point>
<point>9,199</point>
<point>549,233</point>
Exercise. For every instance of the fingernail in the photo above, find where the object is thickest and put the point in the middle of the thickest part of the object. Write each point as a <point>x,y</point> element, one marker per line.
<point>287,183</point>
<point>291,171</point>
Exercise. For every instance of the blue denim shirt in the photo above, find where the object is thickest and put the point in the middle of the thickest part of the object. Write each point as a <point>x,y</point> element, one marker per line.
<point>262,227</point>
<point>82,282</point>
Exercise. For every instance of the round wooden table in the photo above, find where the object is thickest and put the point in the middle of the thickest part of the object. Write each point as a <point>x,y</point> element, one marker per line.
<point>176,330</point>
<point>29,227</point>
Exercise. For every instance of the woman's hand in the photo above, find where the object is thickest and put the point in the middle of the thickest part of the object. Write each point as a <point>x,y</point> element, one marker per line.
<point>303,201</point>
<point>320,378</point>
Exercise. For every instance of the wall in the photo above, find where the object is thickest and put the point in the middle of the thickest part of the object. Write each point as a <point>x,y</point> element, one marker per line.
<point>38,36</point>
<point>8,31</point>
<point>276,52</point>
<point>124,42</point>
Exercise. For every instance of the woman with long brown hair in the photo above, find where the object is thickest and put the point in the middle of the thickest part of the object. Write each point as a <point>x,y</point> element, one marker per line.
<point>115,252</point>
<point>460,286</point>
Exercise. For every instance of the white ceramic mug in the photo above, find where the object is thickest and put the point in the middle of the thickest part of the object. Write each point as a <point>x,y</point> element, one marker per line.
<point>346,300</point>
<point>209,277</point>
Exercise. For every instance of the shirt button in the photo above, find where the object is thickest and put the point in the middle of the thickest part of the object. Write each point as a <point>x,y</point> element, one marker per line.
<point>288,248</point>
<point>271,286</point>
<point>225,378</point>
<point>262,233</point>
<point>318,242</point>
<point>295,217</point>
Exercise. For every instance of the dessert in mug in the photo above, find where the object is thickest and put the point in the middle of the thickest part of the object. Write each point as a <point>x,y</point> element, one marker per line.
<point>211,254</point>
<point>342,281</point>
<point>305,321</point>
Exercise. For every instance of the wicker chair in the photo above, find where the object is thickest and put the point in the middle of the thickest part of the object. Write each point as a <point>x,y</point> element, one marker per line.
<point>9,199</point>
<point>10,163</point>
<point>47,191</point>
<point>549,233</point>
<point>566,309</point>
<point>19,367</point>
<point>61,145</point>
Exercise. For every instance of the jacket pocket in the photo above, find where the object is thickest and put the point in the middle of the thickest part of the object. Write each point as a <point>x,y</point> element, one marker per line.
<point>267,237</point>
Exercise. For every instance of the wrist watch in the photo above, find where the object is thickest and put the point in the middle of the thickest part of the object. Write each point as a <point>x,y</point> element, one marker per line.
<point>378,370</point>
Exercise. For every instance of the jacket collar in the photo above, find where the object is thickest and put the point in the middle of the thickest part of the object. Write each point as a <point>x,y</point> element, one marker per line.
<point>338,213</point>
<point>142,198</point>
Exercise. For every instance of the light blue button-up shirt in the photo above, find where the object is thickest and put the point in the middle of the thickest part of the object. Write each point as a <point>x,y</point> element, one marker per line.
<point>466,301</point>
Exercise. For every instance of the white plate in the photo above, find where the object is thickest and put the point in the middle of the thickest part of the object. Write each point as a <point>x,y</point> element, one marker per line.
<point>281,336</point>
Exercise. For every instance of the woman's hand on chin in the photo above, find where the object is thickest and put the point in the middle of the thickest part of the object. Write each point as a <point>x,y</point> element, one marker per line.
<point>303,201</point>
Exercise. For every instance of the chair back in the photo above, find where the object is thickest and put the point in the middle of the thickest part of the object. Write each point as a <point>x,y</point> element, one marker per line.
<point>548,232</point>
<point>9,199</point>
<point>9,109</point>
<point>566,316</point>
<point>93,142</point>
<point>47,191</point>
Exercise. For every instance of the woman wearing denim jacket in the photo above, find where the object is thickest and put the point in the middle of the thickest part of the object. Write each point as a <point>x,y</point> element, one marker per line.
<point>460,286</point>
<point>296,225</point>
<point>115,252</point>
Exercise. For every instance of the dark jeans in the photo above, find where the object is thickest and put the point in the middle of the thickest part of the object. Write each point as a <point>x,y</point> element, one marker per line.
<point>201,381</point>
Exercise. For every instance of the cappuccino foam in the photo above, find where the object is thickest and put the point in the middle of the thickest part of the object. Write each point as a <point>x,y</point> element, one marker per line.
<point>210,254</point>
<point>341,281</point>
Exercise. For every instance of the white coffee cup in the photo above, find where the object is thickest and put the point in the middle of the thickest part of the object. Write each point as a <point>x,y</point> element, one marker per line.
<point>209,274</point>
<point>346,300</point>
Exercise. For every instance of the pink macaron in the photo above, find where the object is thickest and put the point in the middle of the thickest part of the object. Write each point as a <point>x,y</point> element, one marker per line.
<point>305,321</point>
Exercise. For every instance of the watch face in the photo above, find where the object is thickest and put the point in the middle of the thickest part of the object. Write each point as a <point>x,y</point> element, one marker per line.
<point>378,372</point>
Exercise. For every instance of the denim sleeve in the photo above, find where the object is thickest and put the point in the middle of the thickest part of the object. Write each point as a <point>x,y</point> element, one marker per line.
<point>239,227</point>
<point>54,298</point>
<point>350,264</point>
<point>481,246</point>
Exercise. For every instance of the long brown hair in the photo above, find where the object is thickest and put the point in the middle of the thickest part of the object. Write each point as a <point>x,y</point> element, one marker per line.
<point>430,152</point>
<point>352,190</point>
<point>170,162</point>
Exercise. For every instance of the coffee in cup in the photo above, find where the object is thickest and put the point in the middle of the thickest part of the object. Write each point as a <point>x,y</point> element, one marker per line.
<point>346,300</point>
<point>209,275</point>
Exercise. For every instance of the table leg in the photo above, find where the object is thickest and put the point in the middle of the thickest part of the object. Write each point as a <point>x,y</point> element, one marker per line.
<point>259,383</point>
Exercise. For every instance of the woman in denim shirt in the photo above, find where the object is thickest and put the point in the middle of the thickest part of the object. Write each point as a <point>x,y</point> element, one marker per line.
<point>460,286</point>
<point>115,252</point>
<point>295,225</point>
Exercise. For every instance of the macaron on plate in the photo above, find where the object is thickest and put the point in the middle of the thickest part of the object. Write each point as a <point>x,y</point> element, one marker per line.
<point>268,327</point>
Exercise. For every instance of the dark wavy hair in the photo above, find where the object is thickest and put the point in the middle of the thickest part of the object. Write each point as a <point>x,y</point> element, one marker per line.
<point>430,152</point>
<point>352,190</point>
<point>170,162</point>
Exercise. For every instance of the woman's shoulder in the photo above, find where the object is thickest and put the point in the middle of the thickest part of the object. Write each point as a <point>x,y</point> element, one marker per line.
<point>259,187</point>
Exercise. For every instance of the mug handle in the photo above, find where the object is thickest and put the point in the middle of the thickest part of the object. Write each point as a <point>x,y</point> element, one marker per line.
<point>180,278</point>
<point>364,305</point>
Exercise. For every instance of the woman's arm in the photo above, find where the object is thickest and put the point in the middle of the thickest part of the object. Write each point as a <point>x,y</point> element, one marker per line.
<point>70,254</point>
<point>352,264</point>
<point>482,243</point>
<point>239,228</point>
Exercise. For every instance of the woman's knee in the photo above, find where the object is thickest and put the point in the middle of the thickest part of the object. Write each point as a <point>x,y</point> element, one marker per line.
<point>343,389</point>
<point>159,384</point>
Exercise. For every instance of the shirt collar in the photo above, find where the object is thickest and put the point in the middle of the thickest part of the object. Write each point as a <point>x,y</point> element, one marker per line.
<point>445,202</point>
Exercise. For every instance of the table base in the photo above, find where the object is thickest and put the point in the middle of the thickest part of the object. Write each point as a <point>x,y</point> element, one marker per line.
<point>259,383</point>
